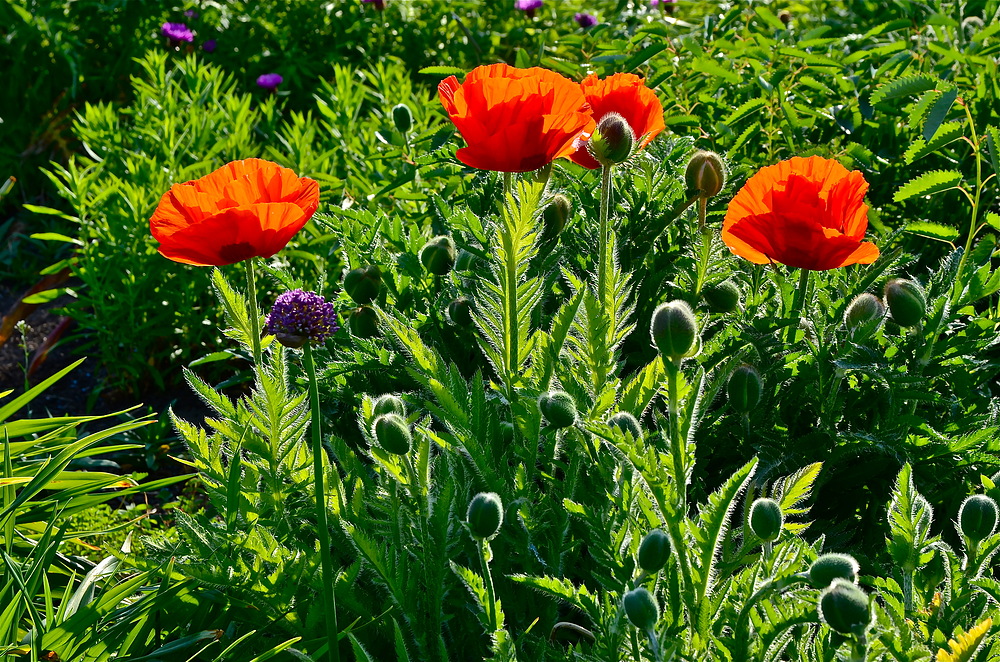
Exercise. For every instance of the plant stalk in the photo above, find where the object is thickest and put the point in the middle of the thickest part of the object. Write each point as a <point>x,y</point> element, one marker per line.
<point>798,301</point>
<point>488,581</point>
<point>254,313</point>
<point>602,245</point>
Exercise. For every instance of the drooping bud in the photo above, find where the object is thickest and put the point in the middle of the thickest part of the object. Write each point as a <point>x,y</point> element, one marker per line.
<point>485,515</point>
<point>722,297</point>
<point>402,118</point>
<point>641,608</point>
<point>864,313</point>
<point>654,551</point>
<point>744,389</point>
<point>705,174</point>
<point>977,518</point>
<point>363,322</point>
<point>460,312</point>
<point>558,408</point>
<point>906,301</point>
<point>833,566</point>
<point>627,423</point>
<point>844,607</point>
<point>766,519</point>
<point>571,633</point>
<point>392,433</point>
<point>438,255</point>
<point>363,283</point>
<point>612,141</point>
<point>389,404</point>
<point>556,214</point>
<point>674,329</point>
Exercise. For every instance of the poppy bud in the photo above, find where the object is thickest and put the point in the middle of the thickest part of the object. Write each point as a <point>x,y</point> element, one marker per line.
<point>612,141</point>
<point>766,519</point>
<point>674,329</point>
<point>906,301</point>
<point>654,551</point>
<point>460,312</point>
<point>402,118</point>
<point>977,518</point>
<point>744,389</point>
<point>485,515</point>
<point>865,311</point>
<point>363,283</point>
<point>705,174</point>
<point>558,408</point>
<point>465,261</point>
<point>833,566</point>
<point>627,423</point>
<point>389,404</point>
<point>722,297</point>
<point>438,255</point>
<point>507,432</point>
<point>363,322</point>
<point>556,215</point>
<point>844,607</point>
<point>641,608</point>
<point>392,433</point>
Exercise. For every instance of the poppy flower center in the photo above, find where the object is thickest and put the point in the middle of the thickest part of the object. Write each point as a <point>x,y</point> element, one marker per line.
<point>233,253</point>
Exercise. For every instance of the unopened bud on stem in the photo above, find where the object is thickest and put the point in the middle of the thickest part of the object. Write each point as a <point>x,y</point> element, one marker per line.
<point>612,141</point>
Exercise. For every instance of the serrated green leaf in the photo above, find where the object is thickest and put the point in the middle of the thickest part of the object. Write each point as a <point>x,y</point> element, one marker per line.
<point>933,230</point>
<point>945,135</point>
<point>442,71</point>
<point>992,137</point>
<point>993,220</point>
<point>795,488</point>
<point>904,87</point>
<point>938,112</point>
<point>928,183</point>
<point>747,109</point>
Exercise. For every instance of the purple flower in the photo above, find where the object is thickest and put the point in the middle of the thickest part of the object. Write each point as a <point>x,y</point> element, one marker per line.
<point>208,46</point>
<point>269,82</point>
<point>585,20</point>
<point>176,33</point>
<point>299,316</point>
<point>190,13</point>
<point>528,6</point>
<point>379,4</point>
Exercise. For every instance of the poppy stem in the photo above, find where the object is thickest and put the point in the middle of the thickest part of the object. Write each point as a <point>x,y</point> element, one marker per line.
<point>602,255</point>
<point>973,229</point>
<point>798,301</point>
<point>254,312</point>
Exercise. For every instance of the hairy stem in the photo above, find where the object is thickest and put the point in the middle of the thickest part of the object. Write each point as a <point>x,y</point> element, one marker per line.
<point>975,203</point>
<point>798,301</point>
<point>602,243</point>
<point>488,581</point>
<point>254,313</point>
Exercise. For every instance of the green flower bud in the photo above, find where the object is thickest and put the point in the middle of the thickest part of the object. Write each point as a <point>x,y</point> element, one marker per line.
<point>844,607</point>
<point>558,408</point>
<point>465,261</point>
<point>674,329</point>
<point>438,255</point>
<point>654,551</point>
<point>864,313</point>
<point>556,214</point>
<point>363,283</point>
<point>723,297</point>
<point>507,432</point>
<point>641,608</point>
<point>977,518</point>
<point>744,389</point>
<point>402,118</point>
<point>392,433</point>
<point>363,322</point>
<point>389,404</point>
<point>485,515</point>
<point>833,566</point>
<point>612,141</point>
<point>906,301</point>
<point>460,312</point>
<point>627,423</point>
<point>705,174</point>
<point>766,519</point>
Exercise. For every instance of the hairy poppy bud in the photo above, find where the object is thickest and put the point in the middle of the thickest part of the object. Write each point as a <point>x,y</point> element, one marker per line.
<point>392,433</point>
<point>627,423</point>
<point>558,408</point>
<point>389,404</point>
<point>766,519</point>
<point>833,566</point>
<point>654,551</point>
<point>906,301</point>
<point>556,215</point>
<point>674,329</point>
<point>864,313</point>
<point>641,608</point>
<point>722,297</point>
<point>460,312</point>
<point>744,389</point>
<point>363,283</point>
<point>363,322</point>
<point>402,118</point>
<point>465,261</point>
<point>978,517</point>
<point>612,141</point>
<point>844,607</point>
<point>485,515</point>
<point>705,174</point>
<point>438,255</point>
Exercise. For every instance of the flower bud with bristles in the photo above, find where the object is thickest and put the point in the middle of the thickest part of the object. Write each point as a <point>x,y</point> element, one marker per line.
<point>977,517</point>
<point>906,302</point>
<point>556,214</point>
<point>612,141</point>
<point>363,283</point>
<point>389,404</point>
<point>833,566</point>
<point>485,515</point>
<point>864,313</point>
<point>392,433</point>
<point>722,297</point>
<point>627,423</point>
<point>438,255</point>
<point>641,608</point>
<point>766,519</point>
<point>402,117</point>
<point>674,329</point>
<point>705,175</point>
<point>558,408</point>
<point>654,551</point>
<point>844,607</point>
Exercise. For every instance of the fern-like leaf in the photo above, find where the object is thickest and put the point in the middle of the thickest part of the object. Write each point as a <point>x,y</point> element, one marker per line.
<point>944,136</point>
<point>965,647</point>
<point>928,183</point>
<point>904,87</point>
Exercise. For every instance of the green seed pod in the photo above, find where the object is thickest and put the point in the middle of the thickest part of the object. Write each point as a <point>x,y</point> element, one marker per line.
<point>460,312</point>
<point>766,519</point>
<point>363,283</point>
<point>363,322</point>
<point>627,423</point>
<point>705,174</point>
<point>485,515</point>
<point>641,608</point>
<point>722,297</point>
<point>906,301</point>
<point>556,214</point>
<point>612,141</point>
<point>438,255</point>
<point>674,329</point>
<point>558,408</point>
<point>863,313</point>
<point>389,404</point>
<point>977,518</point>
<point>844,607</point>
<point>392,433</point>
<point>402,118</point>
<point>833,566</point>
<point>744,389</point>
<point>654,551</point>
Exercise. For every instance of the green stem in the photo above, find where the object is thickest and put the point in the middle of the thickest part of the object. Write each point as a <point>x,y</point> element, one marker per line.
<point>602,244</point>
<point>907,591</point>
<point>323,529</point>
<point>798,301</point>
<point>677,450</point>
<point>707,237</point>
<point>488,581</point>
<point>254,313</point>
<point>975,204</point>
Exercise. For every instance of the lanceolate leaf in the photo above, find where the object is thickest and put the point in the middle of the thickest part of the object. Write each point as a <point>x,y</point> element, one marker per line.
<point>928,183</point>
<point>938,112</point>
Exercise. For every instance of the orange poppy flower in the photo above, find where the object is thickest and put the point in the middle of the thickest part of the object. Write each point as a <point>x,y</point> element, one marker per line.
<point>627,95</point>
<point>515,120</point>
<point>803,212</point>
<point>245,209</point>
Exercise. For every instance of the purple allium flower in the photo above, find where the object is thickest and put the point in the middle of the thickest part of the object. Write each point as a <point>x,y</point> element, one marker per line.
<point>208,46</point>
<point>299,316</point>
<point>190,13</point>
<point>585,20</point>
<point>269,82</point>
<point>176,33</point>
<point>528,6</point>
<point>379,4</point>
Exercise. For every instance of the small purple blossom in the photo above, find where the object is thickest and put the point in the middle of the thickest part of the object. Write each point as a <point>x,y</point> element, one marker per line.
<point>176,33</point>
<point>190,13</point>
<point>208,46</point>
<point>379,4</point>
<point>528,6</point>
<point>299,316</point>
<point>269,82</point>
<point>585,20</point>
